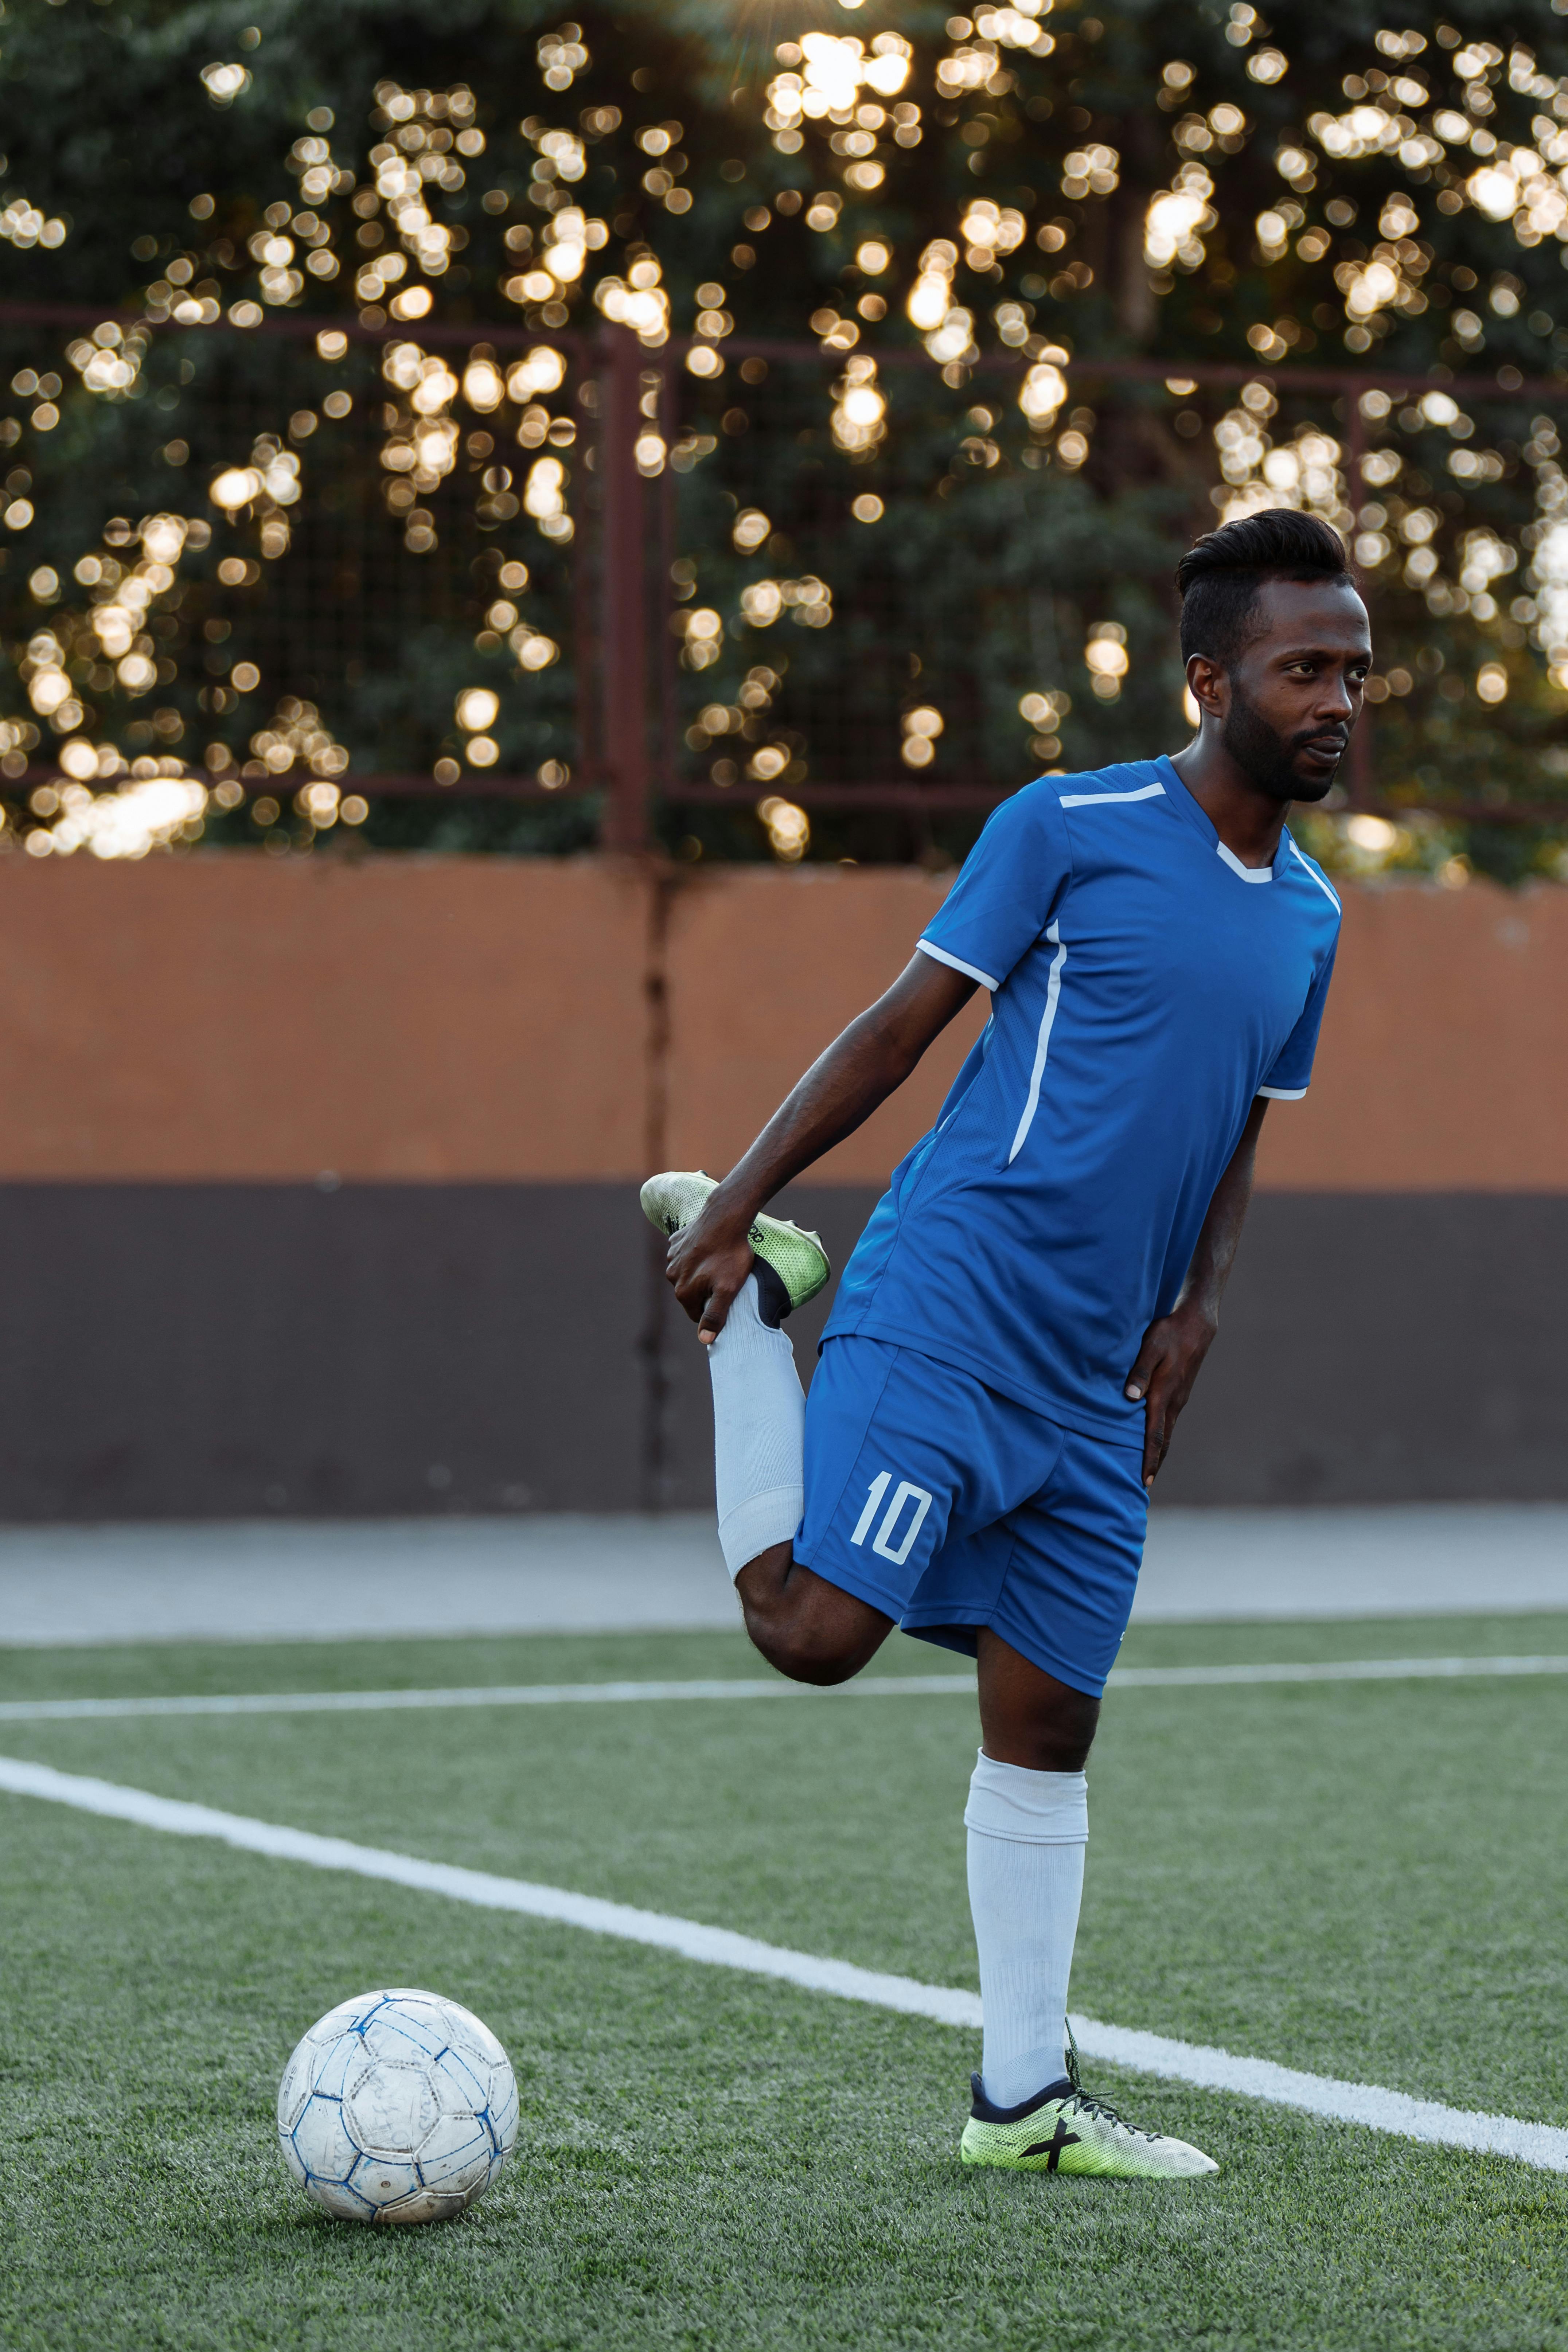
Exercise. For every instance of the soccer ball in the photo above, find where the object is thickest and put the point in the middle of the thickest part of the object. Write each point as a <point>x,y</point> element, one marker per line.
<point>398,2106</point>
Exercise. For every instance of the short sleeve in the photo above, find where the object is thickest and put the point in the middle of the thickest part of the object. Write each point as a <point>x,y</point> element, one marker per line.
<point>1003,899</point>
<point>1292,1074</point>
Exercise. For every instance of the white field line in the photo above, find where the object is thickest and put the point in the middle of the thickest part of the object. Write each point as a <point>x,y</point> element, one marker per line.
<point>355,1702</point>
<point>1545,2146</point>
<point>1346,1670</point>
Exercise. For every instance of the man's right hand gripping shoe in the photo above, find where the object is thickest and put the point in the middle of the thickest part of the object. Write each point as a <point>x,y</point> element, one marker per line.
<point>793,1265</point>
<point>1063,2129</point>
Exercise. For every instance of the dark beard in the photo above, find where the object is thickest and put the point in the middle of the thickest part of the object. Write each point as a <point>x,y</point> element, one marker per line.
<point>1267,757</point>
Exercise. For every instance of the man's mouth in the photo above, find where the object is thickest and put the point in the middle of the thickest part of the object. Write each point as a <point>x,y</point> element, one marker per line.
<point>1326,748</point>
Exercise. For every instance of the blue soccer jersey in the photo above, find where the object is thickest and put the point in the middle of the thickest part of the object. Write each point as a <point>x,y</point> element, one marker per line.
<point>1145,987</point>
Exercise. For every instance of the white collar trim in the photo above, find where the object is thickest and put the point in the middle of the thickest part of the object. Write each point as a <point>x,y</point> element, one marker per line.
<point>1247,873</point>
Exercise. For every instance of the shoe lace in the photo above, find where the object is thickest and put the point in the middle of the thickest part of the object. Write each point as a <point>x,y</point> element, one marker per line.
<point>1084,2102</point>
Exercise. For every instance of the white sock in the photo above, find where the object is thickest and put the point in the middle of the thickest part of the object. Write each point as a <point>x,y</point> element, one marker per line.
<point>759,1433</point>
<point>1028,1832</point>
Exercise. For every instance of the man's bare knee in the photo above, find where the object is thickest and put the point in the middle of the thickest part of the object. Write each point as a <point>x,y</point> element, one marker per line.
<point>808,1658</point>
<point>1027,1717</point>
<point>805,1627</point>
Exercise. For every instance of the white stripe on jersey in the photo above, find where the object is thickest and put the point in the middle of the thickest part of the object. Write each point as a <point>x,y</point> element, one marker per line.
<point>1053,997</point>
<point>1093,800</point>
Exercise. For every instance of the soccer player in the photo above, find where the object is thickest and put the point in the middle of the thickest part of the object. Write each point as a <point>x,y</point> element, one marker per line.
<point>1022,1321</point>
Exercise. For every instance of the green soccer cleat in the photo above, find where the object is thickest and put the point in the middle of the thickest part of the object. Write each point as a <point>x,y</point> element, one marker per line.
<point>1063,2129</point>
<point>793,1264</point>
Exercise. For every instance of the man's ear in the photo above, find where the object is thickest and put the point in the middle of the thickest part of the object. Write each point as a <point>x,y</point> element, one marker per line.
<point>1206,683</point>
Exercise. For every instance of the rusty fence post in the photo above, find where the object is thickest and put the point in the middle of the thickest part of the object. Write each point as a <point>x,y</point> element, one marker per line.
<point>622,558</point>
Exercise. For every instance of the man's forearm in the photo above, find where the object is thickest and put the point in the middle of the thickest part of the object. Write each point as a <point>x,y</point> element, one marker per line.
<point>866,1063</point>
<point>1174,1347</point>
<point>843,1086</point>
<point>1221,1235</point>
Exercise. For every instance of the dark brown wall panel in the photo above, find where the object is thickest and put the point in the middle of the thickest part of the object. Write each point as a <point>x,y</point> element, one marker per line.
<point>206,1350</point>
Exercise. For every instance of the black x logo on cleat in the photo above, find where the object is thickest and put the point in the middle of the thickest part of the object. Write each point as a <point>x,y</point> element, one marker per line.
<point>1051,2149</point>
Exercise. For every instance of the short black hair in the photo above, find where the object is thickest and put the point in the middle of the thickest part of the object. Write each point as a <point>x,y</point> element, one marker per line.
<point>1220,576</point>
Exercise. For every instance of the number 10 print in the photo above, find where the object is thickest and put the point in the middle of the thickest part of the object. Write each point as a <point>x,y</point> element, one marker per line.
<point>882,1541</point>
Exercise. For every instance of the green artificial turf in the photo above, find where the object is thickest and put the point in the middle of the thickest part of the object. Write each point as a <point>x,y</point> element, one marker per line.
<point>1360,1879</point>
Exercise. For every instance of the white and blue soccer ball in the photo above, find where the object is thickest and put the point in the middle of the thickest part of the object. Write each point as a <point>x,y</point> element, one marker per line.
<point>398,2106</point>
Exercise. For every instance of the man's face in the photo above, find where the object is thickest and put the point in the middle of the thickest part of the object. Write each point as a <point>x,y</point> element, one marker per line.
<point>1287,704</point>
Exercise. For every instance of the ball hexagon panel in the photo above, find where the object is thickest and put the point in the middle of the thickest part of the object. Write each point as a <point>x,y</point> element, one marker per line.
<point>295,2088</point>
<point>347,2018</point>
<point>321,2142</point>
<point>382,2184</point>
<point>342,2201</point>
<point>332,2066</point>
<point>457,2154</point>
<point>391,2109</point>
<point>423,2205</point>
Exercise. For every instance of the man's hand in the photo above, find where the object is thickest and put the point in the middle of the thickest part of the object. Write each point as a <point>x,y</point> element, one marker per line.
<point>707,1265</point>
<point>1168,1363</point>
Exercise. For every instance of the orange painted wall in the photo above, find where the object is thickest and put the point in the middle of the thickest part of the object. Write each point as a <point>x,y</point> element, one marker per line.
<point>222,1017</point>
<point>438,1019</point>
<point>1444,1060</point>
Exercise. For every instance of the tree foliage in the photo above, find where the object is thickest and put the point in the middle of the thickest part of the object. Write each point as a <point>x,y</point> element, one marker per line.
<point>932,541</point>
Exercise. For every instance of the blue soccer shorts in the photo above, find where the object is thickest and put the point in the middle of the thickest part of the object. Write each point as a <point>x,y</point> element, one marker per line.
<point>950,1506</point>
